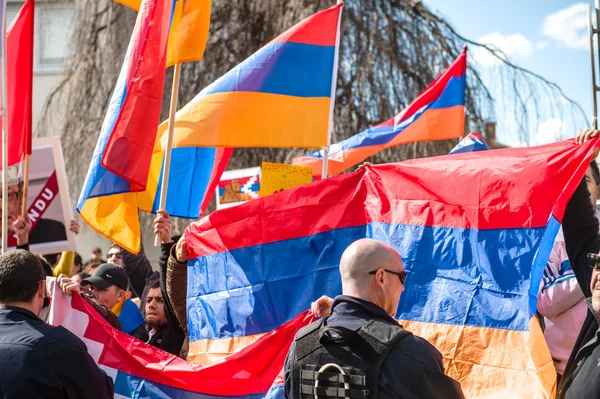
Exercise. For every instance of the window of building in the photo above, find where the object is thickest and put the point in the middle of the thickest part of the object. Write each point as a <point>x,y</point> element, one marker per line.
<point>54,27</point>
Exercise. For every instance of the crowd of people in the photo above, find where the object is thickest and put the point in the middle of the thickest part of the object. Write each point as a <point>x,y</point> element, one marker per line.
<point>356,349</point>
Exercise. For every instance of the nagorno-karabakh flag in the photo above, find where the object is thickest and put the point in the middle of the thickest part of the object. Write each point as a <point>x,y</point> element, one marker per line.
<point>474,231</point>
<point>438,113</point>
<point>278,97</point>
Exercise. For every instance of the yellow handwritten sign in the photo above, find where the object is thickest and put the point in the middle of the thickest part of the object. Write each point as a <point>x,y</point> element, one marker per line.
<point>278,177</point>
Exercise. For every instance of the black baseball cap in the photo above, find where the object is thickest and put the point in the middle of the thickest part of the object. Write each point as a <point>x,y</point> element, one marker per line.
<point>106,275</point>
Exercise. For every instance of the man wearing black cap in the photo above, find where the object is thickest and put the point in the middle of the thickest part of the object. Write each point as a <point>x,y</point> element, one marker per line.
<point>110,285</point>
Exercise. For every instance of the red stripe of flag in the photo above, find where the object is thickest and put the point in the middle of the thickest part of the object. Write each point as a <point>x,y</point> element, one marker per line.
<point>472,191</point>
<point>129,149</point>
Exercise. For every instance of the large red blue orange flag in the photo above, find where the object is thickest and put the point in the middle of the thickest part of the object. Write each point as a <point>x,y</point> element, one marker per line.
<point>474,231</point>
<point>19,80</point>
<point>278,97</point>
<point>141,371</point>
<point>438,113</point>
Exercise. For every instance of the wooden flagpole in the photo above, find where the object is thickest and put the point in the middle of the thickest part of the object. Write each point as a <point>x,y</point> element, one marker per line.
<point>4,115</point>
<point>25,186</point>
<point>167,160</point>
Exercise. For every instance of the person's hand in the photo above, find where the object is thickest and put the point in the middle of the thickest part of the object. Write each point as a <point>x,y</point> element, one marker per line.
<point>68,286</point>
<point>21,227</point>
<point>362,165</point>
<point>586,135</point>
<point>74,227</point>
<point>162,226</point>
<point>322,306</point>
<point>181,250</point>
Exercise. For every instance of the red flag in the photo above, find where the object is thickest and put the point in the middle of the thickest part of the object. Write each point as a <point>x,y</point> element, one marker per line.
<point>132,121</point>
<point>19,81</point>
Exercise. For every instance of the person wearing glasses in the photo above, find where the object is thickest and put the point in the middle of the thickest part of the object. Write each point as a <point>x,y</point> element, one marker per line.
<point>45,230</point>
<point>38,360</point>
<point>581,378</point>
<point>114,255</point>
<point>360,350</point>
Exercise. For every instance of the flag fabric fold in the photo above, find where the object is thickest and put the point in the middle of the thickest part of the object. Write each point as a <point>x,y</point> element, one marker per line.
<point>189,29</point>
<point>19,80</point>
<point>438,113</point>
<point>125,173</point>
<point>278,97</point>
<point>473,142</point>
<point>474,231</point>
<point>193,178</point>
<point>134,111</point>
<point>142,371</point>
<point>126,142</point>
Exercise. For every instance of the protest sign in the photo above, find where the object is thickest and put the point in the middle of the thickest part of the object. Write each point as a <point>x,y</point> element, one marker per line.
<point>237,187</point>
<point>48,199</point>
<point>277,177</point>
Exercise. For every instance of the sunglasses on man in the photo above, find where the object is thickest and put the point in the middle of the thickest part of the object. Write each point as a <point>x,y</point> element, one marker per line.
<point>594,261</point>
<point>401,275</point>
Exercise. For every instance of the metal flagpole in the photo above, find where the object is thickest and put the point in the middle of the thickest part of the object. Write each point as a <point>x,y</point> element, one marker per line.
<point>333,89</point>
<point>4,116</point>
<point>167,161</point>
<point>593,31</point>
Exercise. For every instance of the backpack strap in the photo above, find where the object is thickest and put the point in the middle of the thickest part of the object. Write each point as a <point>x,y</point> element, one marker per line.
<point>307,339</point>
<point>381,336</point>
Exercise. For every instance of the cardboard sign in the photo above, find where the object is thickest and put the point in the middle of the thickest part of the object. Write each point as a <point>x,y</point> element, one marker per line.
<point>277,177</point>
<point>238,186</point>
<point>49,202</point>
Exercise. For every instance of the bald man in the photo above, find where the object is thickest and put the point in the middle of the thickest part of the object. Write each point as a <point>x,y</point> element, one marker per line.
<point>362,341</point>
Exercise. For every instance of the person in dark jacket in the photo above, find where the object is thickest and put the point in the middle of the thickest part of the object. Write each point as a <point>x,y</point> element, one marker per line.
<point>36,359</point>
<point>372,281</point>
<point>175,282</point>
<point>163,327</point>
<point>581,378</point>
<point>138,268</point>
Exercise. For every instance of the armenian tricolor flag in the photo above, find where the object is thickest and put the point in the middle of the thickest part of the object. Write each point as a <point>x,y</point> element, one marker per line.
<point>141,371</point>
<point>474,231</point>
<point>129,315</point>
<point>278,97</point>
<point>438,113</point>
<point>127,166</point>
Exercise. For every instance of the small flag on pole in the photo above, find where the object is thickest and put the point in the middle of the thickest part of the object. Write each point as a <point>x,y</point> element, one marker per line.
<point>438,113</point>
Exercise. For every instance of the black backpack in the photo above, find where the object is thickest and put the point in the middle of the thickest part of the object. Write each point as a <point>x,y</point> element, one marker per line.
<point>337,362</point>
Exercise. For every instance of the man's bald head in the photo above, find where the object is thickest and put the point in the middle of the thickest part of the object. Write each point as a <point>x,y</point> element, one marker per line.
<point>362,257</point>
